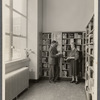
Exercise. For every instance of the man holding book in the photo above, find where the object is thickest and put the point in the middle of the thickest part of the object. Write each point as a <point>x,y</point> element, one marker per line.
<point>53,68</point>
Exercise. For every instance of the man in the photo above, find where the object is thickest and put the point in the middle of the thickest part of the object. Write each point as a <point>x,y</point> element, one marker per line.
<point>53,55</point>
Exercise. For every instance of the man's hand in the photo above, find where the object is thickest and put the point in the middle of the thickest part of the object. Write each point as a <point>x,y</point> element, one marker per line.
<point>59,54</point>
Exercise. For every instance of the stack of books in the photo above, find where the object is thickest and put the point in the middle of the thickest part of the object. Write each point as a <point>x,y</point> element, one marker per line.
<point>76,35</point>
<point>44,48</point>
<point>45,65</point>
<point>45,54</point>
<point>71,35</point>
<point>44,60</point>
<point>64,36</point>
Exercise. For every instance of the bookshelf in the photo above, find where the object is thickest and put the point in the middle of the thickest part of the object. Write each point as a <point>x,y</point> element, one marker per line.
<point>46,41</point>
<point>64,40</point>
<point>89,67</point>
<point>67,39</point>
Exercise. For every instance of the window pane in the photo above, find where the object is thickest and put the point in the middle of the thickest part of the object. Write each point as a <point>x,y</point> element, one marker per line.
<point>7,20</point>
<point>7,47</point>
<point>20,5</point>
<point>19,24</point>
<point>20,45</point>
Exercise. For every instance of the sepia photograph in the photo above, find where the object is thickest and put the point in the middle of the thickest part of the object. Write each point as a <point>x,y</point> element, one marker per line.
<point>50,50</point>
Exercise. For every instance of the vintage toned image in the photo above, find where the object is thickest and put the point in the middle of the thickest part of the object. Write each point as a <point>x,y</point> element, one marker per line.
<point>50,50</point>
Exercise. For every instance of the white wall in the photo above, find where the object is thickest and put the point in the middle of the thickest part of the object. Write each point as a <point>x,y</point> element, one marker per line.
<point>34,33</point>
<point>32,36</point>
<point>66,15</point>
<point>57,15</point>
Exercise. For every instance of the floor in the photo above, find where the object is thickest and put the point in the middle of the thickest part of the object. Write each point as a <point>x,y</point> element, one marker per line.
<point>63,90</point>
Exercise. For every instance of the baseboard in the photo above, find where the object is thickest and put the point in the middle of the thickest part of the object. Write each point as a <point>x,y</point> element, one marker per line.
<point>47,78</point>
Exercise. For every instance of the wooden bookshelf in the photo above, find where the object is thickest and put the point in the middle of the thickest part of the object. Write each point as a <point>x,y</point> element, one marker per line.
<point>89,66</point>
<point>67,39</point>
<point>64,40</point>
<point>46,41</point>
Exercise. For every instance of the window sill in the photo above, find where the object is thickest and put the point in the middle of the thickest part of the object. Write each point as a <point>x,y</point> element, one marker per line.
<point>16,64</point>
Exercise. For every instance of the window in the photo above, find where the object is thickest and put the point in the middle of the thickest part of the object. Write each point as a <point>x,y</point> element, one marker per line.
<point>16,29</point>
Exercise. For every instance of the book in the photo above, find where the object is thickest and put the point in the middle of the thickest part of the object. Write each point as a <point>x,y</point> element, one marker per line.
<point>78,41</point>
<point>45,36</point>
<point>44,48</point>
<point>76,35</point>
<point>70,58</point>
<point>44,60</point>
<point>71,35</point>
<point>79,35</point>
<point>45,65</point>
<point>64,36</point>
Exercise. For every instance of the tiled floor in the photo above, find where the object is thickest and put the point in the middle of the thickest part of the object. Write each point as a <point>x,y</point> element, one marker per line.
<point>63,90</point>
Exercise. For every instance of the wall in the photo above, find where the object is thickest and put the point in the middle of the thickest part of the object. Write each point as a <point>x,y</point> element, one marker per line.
<point>66,15</point>
<point>34,30</point>
<point>40,29</point>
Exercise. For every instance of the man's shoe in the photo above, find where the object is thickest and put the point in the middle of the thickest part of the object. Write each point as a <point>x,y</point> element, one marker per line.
<point>50,81</point>
<point>76,82</point>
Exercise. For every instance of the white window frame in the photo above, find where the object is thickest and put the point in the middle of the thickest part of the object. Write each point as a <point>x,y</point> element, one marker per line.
<point>11,34</point>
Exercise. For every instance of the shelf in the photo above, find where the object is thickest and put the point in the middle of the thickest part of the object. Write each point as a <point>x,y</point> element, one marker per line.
<point>44,62</point>
<point>91,67</point>
<point>66,77</point>
<point>44,57</point>
<point>45,51</point>
<point>45,68</point>
<point>45,44</point>
<point>91,31</point>
<point>71,38</point>
<point>89,54</point>
<point>65,69</point>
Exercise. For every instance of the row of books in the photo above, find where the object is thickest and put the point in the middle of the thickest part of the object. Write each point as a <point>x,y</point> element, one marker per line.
<point>45,54</point>
<point>65,66</point>
<point>65,54</point>
<point>91,84</point>
<point>91,61</point>
<point>91,51</point>
<point>91,40</point>
<point>47,42</point>
<point>46,36</point>
<point>91,73</point>
<point>72,35</point>
<point>44,60</point>
<point>45,47</point>
<point>45,73</point>
<point>66,73</point>
<point>45,65</point>
<point>90,26</point>
<point>68,47</point>
<point>69,41</point>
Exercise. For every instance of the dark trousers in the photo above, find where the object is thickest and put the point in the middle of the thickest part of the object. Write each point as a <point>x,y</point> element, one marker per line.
<point>51,72</point>
<point>56,72</point>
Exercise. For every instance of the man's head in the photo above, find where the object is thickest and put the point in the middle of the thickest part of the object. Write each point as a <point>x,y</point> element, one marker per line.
<point>54,43</point>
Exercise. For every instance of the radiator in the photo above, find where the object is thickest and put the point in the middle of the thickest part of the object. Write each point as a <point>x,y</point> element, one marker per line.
<point>15,82</point>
